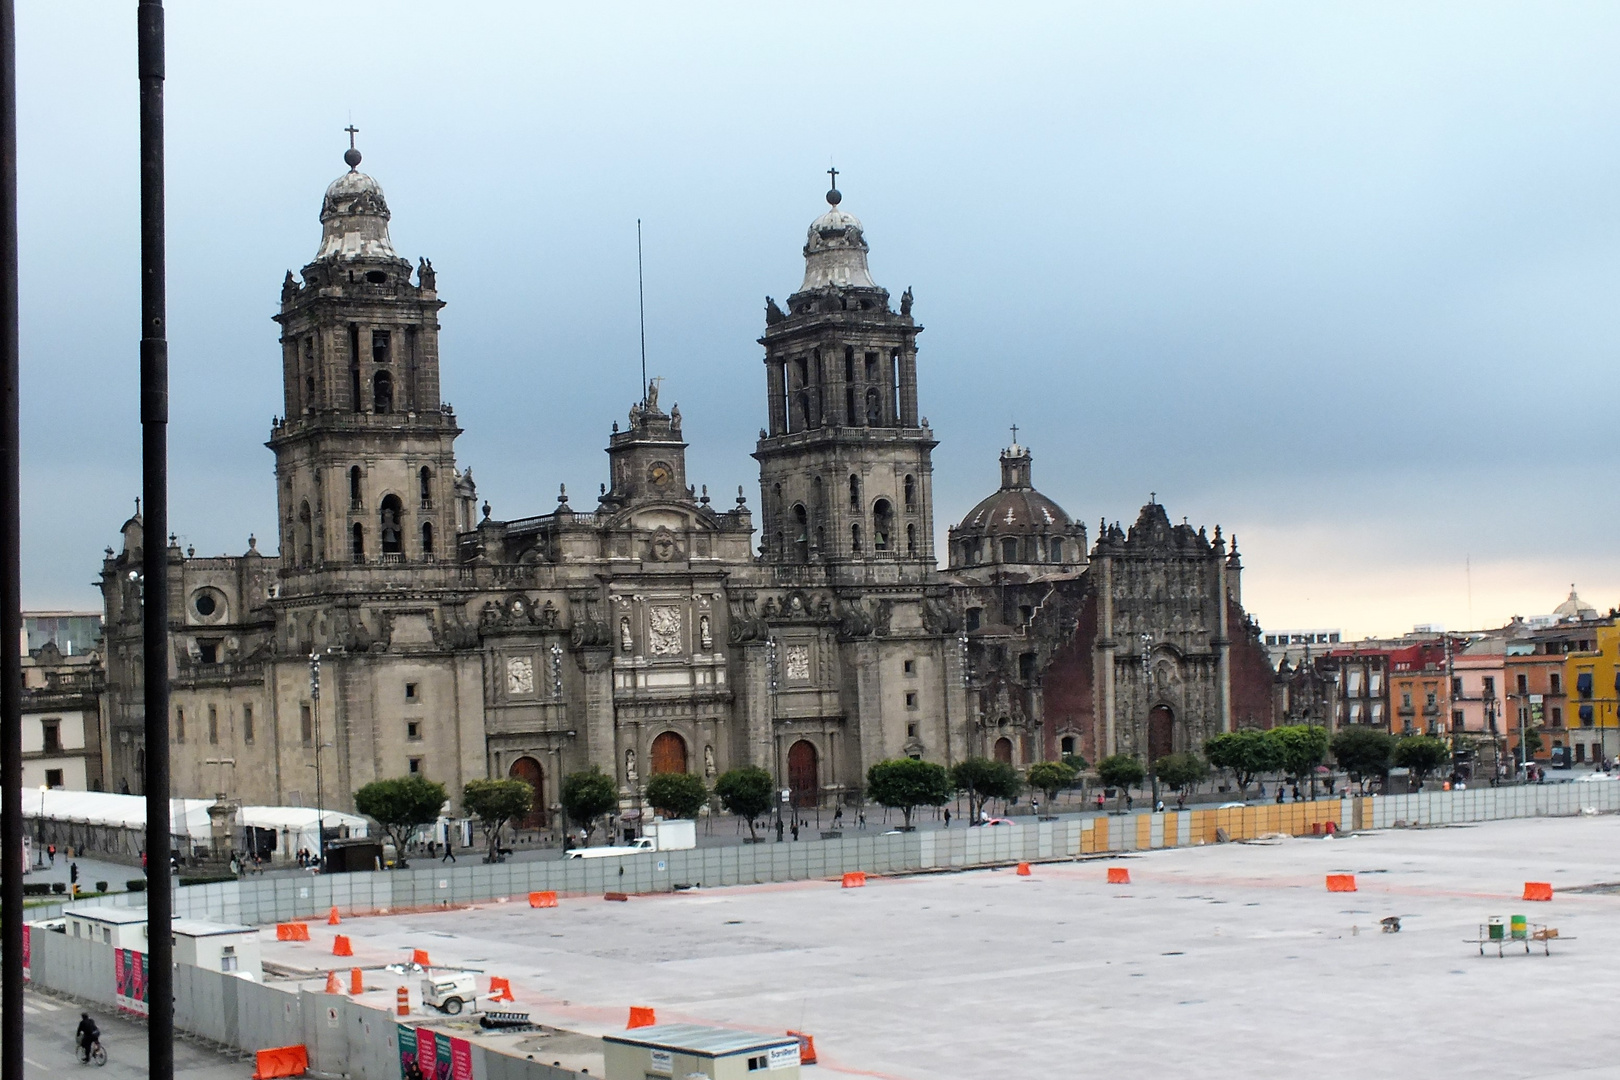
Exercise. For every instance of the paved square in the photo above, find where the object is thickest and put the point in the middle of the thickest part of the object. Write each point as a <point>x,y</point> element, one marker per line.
<point>1221,961</point>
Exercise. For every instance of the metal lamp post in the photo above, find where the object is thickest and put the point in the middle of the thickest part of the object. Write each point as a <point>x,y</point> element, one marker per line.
<point>1147,709</point>
<point>320,787</point>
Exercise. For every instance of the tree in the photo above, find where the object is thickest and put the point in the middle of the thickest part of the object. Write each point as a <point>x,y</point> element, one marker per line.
<point>399,806</point>
<point>494,803</point>
<point>1121,772</point>
<point>677,794</point>
<point>1075,762</point>
<point>747,792</point>
<point>1422,754</point>
<point>983,780</point>
<point>1050,777</point>
<point>1363,752</point>
<point>586,796</point>
<point>1178,772</point>
<point>1300,749</point>
<point>905,783</point>
<point>1247,754</point>
<point>1532,743</point>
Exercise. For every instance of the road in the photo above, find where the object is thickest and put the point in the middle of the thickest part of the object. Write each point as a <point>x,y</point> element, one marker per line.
<point>48,1026</point>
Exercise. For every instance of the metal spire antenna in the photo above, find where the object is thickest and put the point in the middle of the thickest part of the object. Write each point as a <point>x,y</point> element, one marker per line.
<point>641,305</point>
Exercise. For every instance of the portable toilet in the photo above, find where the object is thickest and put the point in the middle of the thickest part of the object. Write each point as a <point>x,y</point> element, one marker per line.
<point>226,947</point>
<point>685,1050</point>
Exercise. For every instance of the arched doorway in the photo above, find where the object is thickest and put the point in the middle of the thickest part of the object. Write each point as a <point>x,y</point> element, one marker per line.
<point>1004,750</point>
<point>803,778</point>
<point>1160,733</point>
<point>528,770</point>
<point>668,754</point>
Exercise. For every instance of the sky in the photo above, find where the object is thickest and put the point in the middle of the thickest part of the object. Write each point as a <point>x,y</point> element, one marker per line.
<point>1339,277</point>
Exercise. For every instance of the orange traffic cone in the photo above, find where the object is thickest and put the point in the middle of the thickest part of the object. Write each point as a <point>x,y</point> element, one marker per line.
<point>500,989</point>
<point>1023,869</point>
<point>332,918</point>
<point>341,946</point>
<point>332,984</point>
<point>357,985</point>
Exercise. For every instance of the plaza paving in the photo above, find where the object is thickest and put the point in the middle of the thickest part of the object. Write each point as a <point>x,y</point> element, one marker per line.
<point>1220,961</point>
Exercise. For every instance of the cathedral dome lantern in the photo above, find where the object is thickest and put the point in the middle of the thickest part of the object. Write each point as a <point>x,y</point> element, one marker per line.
<point>354,216</point>
<point>835,251</point>
<point>1017,524</point>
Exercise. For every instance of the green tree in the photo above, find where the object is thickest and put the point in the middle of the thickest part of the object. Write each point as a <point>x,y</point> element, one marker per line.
<point>1363,752</point>
<point>983,780</point>
<point>1532,743</point>
<point>1050,777</point>
<point>905,783</point>
<point>399,806</point>
<point>1300,749</point>
<point>1179,772</point>
<point>1120,772</point>
<point>1076,763</point>
<point>1247,754</point>
<point>494,803</point>
<point>1422,754</point>
<point>586,796</point>
<point>677,794</point>
<point>747,792</point>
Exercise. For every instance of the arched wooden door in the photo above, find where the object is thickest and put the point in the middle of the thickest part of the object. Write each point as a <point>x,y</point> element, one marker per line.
<point>1161,733</point>
<point>528,770</point>
<point>668,754</point>
<point>1004,750</point>
<point>803,777</point>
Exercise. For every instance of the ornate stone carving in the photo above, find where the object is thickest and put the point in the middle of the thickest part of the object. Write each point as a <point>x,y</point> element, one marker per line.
<point>797,663</point>
<point>519,675</point>
<point>705,634</point>
<point>664,630</point>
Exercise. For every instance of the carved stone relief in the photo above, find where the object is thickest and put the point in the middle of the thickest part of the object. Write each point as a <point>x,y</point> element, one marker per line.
<point>519,675</point>
<point>664,630</point>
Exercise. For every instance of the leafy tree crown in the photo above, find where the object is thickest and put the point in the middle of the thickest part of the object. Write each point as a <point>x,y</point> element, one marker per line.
<point>678,794</point>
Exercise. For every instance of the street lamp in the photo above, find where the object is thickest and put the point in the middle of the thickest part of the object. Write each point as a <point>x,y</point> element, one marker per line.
<point>320,787</point>
<point>1147,709</point>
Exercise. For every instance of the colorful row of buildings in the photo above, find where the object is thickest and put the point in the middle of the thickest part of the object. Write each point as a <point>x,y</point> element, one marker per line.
<point>1552,680</point>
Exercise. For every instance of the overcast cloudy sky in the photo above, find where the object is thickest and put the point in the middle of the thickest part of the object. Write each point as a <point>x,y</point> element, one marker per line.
<point>1340,277</point>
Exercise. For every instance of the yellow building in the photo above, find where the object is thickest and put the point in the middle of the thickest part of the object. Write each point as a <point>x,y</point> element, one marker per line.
<point>1592,676</point>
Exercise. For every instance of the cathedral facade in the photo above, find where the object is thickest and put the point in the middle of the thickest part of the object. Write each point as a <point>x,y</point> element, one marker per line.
<point>402,629</point>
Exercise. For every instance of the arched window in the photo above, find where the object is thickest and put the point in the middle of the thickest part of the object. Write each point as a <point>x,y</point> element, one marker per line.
<point>855,539</point>
<point>1068,744</point>
<point>1032,550</point>
<point>854,494</point>
<point>359,543</point>
<point>874,408</point>
<point>882,524</point>
<point>801,521</point>
<point>427,538</point>
<point>1056,550</point>
<point>911,494</point>
<point>1009,549</point>
<point>425,479</point>
<point>306,535</point>
<point>382,393</point>
<point>354,488</point>
<point>389,515</point>
<point>911,541</point>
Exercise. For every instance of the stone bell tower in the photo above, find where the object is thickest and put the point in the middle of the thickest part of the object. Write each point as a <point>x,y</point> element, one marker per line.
<point>365,459</point>
<point>845,467</point>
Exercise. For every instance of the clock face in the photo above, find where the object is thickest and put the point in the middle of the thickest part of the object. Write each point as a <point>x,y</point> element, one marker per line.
<point>660,474</point>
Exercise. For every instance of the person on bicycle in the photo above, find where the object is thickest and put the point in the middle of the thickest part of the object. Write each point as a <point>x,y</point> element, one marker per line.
<point>88,1034</point>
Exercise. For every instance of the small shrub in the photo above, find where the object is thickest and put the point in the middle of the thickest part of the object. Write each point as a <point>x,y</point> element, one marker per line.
<point>58,886</point>
<point>135,884</point>
<point>36,888</point>
<point>101,886</point>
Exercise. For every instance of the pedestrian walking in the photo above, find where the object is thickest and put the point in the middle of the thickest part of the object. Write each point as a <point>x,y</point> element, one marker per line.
<point>947,817</point>
<point>52,851</point>
<point>795,830</point>
<point>1099,802</point>
<point>1279,794</point>
<point>449,851</point>
<point>838,817</point>
<point>861,819</point>
<point>779,830</point>
<point>73,873</point>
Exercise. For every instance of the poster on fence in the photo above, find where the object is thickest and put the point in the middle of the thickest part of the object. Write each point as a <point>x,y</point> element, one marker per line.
<point>461,1060</point>
<point>407,1052</point>
<point>129,976</point>
<point>28,953</point>
<point>428,1055</point>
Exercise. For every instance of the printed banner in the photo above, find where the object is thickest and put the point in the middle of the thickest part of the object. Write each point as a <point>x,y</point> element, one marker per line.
<point>461,1060</point>
<point>407,1053</point>
<point>28,952</point>
<point>442,1058</point>
<point>129,977</point>
<point>427,1057</point>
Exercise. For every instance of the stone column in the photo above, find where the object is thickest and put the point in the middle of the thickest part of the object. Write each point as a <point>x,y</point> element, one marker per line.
<point>1106,646</point>
<point>1223,644</point>
<point>908,388</point>
<point>597,717</point>
<point>776,382</point>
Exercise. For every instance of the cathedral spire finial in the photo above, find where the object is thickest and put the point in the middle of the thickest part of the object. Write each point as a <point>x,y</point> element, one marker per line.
<point>834,196</point>
<point>351,156</point>
<point>1015,434</point>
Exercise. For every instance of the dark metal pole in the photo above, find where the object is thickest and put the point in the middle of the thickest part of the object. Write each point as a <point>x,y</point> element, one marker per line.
<point>11,822</point>
<point>154,549</point>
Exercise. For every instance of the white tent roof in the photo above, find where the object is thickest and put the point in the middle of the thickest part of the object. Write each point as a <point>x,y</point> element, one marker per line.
<point>189,816</point>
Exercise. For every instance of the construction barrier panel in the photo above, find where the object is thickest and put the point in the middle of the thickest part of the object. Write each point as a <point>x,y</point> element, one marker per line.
<point>855,879</point>
<point>357,983</point>
<point>615,896</point>
<point>332,918</point>
<point>402,1001</point>
<point>1118,875</point>
<point>1341,883</point>
<point>1538,890</point>
<point>500,989</point>
<point>807,1047</point>
<point>341,946</point>
<point>641,1016</point>
<point>280,1061</point>
<point>292,931</point>
<point>542,899</point>
<point>1023,870</point>
<point>419,957</point>
<point>333,986</point>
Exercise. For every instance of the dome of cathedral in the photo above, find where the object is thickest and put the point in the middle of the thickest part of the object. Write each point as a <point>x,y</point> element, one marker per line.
<point>1016,510</point>
<point>835,251</point>
<point>1575,608</point>
<point>354,217</point>
<point>1017,524</point>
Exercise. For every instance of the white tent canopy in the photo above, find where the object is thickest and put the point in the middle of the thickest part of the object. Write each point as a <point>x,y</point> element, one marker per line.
<point>294,825</point>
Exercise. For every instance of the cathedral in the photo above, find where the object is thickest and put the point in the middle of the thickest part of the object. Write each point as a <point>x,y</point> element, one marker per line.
<point>401,629</point>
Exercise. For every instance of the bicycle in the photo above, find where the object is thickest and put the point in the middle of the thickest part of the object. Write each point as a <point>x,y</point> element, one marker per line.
<point>96,1053</point>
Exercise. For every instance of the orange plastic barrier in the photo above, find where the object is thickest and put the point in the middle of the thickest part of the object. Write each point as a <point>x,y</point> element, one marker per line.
<point>807,1047</point>
<point>619,896</point>
<point>641,1016</point>
<point>357,984</point>
<point>341,946</point>
<point>281,1061</point>
<point>855,879</point>
<point>333,986</point>
<point>402,1001</point>
<point>419,957</point>
<point>1118,875</point>
<point>542,899</point>
<point>500,989</point>
<point>1538,890</point>
<point>1341,883</point>
<point>332,918</point>
<point>292,931</point>
<point>1023,871</point>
